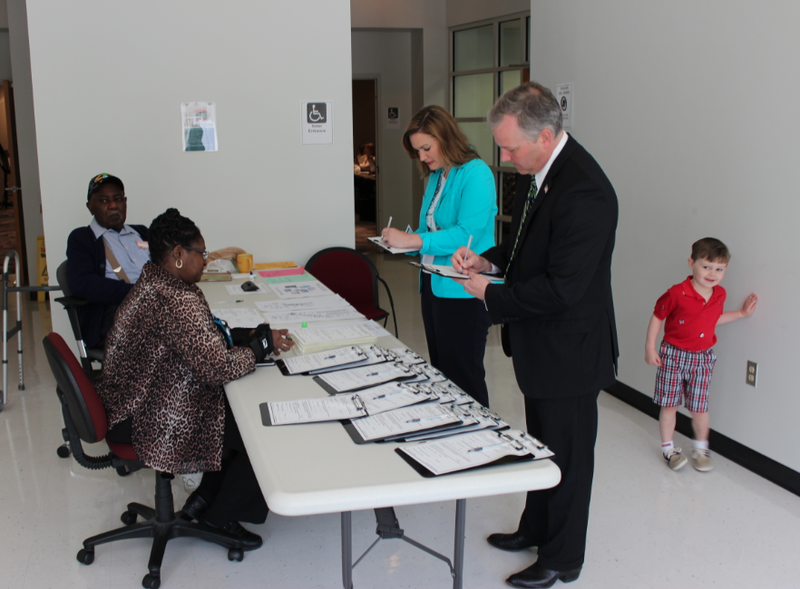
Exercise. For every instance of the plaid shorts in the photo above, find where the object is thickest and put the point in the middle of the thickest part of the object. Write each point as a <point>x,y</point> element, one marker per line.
<point>683,373</point>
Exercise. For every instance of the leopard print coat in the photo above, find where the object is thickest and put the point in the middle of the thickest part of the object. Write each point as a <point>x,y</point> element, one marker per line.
<point>165,364</point>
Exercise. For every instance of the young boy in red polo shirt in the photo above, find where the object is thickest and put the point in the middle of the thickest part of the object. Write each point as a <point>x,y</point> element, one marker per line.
<point>690,312</point>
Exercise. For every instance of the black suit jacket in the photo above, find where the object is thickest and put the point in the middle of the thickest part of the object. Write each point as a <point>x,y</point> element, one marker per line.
<point>556,304</point>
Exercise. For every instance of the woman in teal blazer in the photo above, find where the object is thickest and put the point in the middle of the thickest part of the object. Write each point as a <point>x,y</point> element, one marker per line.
<point>459,204</point>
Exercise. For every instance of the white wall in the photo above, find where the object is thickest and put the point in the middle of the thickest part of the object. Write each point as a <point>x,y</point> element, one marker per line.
<point>467,11</point>
<point>689,109</point>
<point>428,15</point>
<point>107,99</point>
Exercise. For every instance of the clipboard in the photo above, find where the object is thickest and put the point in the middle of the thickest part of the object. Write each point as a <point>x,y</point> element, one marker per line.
<point>472,451</point>
<point>392,250</point>
<point>414,420</point>
<point>326,358</point>
<point>358,407</point>
<point>450,272</point>
<point>355,435</point>
<point>421,470</point>
<point>407,373</point>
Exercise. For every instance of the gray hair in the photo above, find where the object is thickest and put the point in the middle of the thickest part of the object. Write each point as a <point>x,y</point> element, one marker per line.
<point>533,105</point>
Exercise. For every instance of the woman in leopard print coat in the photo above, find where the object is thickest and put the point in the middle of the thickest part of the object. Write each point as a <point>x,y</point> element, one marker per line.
<point>165,364</point>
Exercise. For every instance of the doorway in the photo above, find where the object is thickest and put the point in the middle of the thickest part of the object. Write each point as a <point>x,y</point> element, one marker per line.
<point>12,228</point>
<point>365,158</point>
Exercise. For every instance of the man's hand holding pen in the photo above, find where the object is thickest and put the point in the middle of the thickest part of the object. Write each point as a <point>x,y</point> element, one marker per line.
<point>468,262</point>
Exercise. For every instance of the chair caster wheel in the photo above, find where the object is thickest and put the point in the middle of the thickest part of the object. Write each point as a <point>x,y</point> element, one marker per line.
<point>63,451</point>
<point>128,518</point>
<point>151,582</point>
<point>236,554</point>
<point>86,556</point>
<point>122,471</point>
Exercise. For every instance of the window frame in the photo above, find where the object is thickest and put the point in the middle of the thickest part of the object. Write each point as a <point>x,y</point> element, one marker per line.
<point>502,221</point>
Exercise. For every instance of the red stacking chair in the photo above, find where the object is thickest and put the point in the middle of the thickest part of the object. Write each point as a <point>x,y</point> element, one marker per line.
<point>352,275</point>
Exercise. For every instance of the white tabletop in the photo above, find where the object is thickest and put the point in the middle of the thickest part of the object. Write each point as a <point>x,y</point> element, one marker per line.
<point>317,468</point>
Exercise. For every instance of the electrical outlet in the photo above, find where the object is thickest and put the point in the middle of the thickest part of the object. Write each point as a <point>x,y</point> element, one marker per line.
<point>752,373</point>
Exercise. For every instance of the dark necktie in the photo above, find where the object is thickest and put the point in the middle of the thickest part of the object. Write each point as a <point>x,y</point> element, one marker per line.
<point>532,191</point>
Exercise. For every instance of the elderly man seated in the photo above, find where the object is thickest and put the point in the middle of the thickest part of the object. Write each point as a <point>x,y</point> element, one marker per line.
<point>105,259</point>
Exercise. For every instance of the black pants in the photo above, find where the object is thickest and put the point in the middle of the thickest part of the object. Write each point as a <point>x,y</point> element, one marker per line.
<point>233,491</point>
<point>557,519</point>
<point>456,331</point>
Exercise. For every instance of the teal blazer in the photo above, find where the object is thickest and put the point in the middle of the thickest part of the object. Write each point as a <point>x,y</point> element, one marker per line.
<point>467,207</point>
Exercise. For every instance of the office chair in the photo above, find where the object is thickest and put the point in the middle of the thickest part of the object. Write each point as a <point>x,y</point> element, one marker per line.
<point>71,304</point>
<point>353,276</point>
<point>85,420</point>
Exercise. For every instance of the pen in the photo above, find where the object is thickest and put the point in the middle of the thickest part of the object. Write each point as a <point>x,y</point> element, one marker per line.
<point>384,395</point>
<point>389,224</point>
<point>225,302</point>
<point>466,254</point>
<point>418,419</point>
<point>482,448</point>
<point>381,372</point>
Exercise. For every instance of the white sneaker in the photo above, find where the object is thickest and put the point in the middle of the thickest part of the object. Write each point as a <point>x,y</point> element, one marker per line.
<point>701,460</point>
<point>675,459</point>
<point>191,481</point>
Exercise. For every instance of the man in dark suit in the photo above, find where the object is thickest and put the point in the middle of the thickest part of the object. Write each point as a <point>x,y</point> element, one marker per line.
<point>105,258</point>
<point>557,314</point>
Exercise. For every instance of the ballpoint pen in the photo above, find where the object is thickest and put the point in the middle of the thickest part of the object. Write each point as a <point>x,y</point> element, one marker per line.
<point>380,372</point>
<point>466,254</point>
<point>400,389</point>
<point>418,419</point>
<point>482,448</point>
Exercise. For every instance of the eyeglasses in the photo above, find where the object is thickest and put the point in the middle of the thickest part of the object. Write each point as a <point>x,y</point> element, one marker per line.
<point>203,253</point>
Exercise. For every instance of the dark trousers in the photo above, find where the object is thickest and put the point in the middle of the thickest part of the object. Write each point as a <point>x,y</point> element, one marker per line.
<point>456,331</point>
<point>233,491</point>
<point>557,519</point>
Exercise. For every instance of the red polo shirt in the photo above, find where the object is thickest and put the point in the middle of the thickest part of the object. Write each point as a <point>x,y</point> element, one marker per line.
<point>689,321</point>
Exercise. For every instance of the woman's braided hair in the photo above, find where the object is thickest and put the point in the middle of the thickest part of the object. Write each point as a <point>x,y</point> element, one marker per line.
<point>169,229</point>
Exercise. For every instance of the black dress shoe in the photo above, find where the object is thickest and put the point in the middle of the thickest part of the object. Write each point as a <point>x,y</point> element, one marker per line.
<point>536,577</point>
<point>250,541</point>
<point>511,542</point>
<point>194,507</point>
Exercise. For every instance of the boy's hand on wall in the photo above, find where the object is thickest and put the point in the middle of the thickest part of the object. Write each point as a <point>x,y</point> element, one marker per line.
<point>749,305</point>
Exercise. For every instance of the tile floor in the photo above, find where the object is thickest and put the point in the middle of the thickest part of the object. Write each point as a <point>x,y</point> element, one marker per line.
<point>650,528</point>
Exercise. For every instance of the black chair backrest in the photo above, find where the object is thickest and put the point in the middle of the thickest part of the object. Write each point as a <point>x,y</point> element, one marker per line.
<point>61,276</point>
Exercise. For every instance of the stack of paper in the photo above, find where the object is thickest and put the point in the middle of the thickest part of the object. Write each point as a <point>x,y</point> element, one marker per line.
<point>317,339</point>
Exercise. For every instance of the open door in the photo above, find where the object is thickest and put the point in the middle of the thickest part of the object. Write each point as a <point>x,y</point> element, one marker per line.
<point>365,168</point>
<point>12,226</point>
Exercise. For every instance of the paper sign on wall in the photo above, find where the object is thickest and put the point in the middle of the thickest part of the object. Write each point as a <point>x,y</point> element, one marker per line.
<point>199,126</point>
<point>393,117</point>
<point>564,97</point>
<point>317,122</point>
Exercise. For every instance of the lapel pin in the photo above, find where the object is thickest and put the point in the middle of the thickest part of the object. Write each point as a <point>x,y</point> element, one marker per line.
<point>546,188</point>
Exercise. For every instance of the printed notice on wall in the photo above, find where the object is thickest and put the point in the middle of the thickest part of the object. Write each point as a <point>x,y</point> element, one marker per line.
<point>317,119</point>
<point>564,97</point>
<point>393,117</point>
<point>199,126</point>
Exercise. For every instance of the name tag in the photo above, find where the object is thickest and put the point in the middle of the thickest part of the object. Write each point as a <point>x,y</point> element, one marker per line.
<point>143,245</point>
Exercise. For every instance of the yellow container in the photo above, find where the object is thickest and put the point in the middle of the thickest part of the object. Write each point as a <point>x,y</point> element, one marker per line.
<point>41,267</point>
